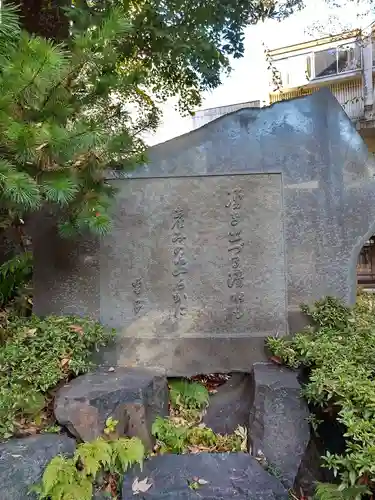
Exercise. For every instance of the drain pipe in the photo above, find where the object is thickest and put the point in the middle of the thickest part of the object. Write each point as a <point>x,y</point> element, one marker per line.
<point>368,90</point>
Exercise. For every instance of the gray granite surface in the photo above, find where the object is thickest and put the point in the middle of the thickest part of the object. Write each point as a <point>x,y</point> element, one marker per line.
<point>132,397</point>
<point>226,476</point>
<point>279,430</point>
<point>307,205</point>
<point>23,461</point>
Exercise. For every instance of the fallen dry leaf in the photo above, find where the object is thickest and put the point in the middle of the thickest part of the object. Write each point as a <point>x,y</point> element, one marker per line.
<point>194,449</point>
<point>212,381</point>
<point>140,486</point>
<point>199,449</point>
<point>112,486</point>
<point>64,362</point>
<point>178,421</point>
<point>276,359</point>
<point>202,481</point>
<point>76,328</point>
<point>39,148</point>
<point>241,432</point>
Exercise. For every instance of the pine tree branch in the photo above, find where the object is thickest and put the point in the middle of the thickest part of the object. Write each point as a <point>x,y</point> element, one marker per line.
<point>82,4</point>
<point>80,134</point>
<point>33,78</point>
<point>66,78</point>
<point>139,131</point>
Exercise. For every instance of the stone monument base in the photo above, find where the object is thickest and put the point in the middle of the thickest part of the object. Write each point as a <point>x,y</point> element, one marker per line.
<point>185,357</point>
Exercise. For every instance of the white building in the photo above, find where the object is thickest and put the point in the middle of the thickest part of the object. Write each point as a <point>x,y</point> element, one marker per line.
<point>344,63</point>
<point>204,116</point>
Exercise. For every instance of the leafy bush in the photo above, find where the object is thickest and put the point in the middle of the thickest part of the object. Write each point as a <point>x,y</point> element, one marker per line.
<point>182,431</point>
<point>340,352</point>
<point>331,492</point>
<point>190,395</point>
<point>74,478</point>
<point>171,437</point>
<point>176,437</point>
<point>37,355</point>
<point>14,273</point>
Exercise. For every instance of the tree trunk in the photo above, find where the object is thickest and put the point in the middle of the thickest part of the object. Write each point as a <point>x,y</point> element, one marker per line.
<point>45,18</point>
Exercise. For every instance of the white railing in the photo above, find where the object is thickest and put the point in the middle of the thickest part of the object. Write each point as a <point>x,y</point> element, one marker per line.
<point>350,96</point>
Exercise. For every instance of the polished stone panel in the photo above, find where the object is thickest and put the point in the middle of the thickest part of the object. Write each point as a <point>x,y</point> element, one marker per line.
<point>195,257</point>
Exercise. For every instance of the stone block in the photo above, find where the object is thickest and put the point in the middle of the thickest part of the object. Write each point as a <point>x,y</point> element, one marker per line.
<point>133,397</point>
<point>278,428</point>
<point>228,476</point>
<point>230,406</point>
<point>22,462</point>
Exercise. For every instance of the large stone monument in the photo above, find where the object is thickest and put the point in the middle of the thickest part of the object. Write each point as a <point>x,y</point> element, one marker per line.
<point>219,238</point>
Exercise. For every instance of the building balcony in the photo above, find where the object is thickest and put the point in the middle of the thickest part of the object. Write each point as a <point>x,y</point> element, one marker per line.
<point>344,63</point>
<point>349,94</point>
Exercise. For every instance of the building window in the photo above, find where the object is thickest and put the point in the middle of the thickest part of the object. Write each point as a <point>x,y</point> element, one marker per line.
<point>325,63</point>
<point>299,70</point>
<point>294,71</point>
<point>348,57</point>
<point>338,60</point>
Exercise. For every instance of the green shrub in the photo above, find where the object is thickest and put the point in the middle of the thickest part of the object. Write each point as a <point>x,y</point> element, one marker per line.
<point>340,352</point>
<point>37,355</point>
<point>74,478</point>
<point>182,432</point>
<point>189,395</point>
<point>14,274</point>
<point>174,437</point>
<point>331,492</point>
<point>171,437</point>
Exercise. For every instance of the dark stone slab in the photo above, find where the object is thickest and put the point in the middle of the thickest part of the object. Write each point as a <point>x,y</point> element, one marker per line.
<point>9,244</point>
<point>308,207</point>
<point>133,397</point>
<point>230,406</point>
<point>311,471</point>
<point>278,428</point>
<point>22,462</point>
<point>229,476</point>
